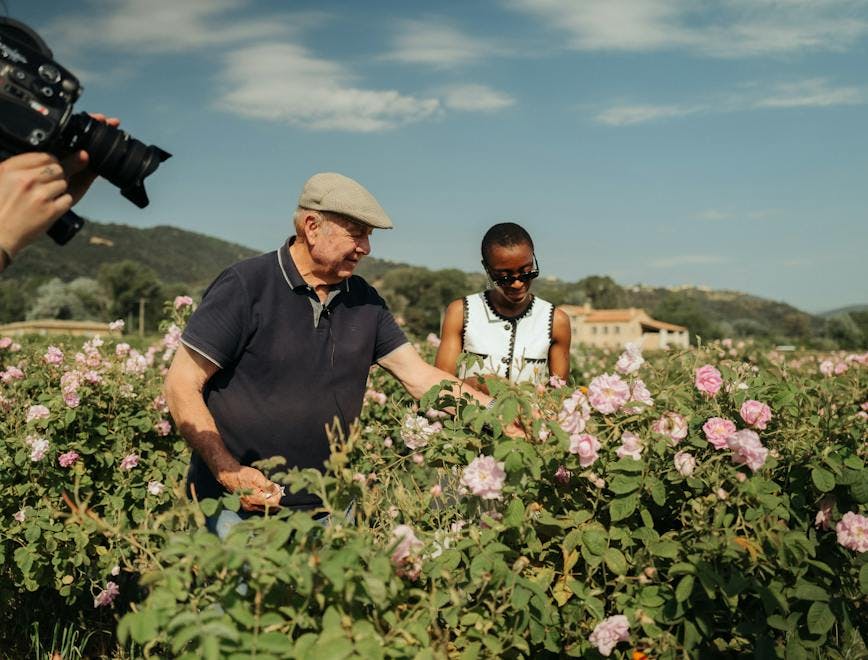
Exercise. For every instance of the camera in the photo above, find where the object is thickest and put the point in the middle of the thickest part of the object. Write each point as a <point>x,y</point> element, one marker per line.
<point>36,99</point>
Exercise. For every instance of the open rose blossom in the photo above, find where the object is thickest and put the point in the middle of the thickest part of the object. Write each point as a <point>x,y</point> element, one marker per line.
<point>575,412</point>
<point>37,412</point>
<point>107,595</point>
<point>416,431</point>
<point>607,393</point>
<point>38,447</point>
<point>182,301</point>
<point>155,488</point>
<point>68,459</point>
<point>708,380</point>
<point>717,430</point>
<point>405,557</point>
<point>755,413</point>
<point>586,446</point>
<point>609,632</point>
<point>672,425</point>
<point>53,355</point>
<point>163,427</point>
<point>631,446</point>
<point>484,477</point>
<point>685,463</point>
<point>129,461</point>
<point>747,449</point>
<point>852,531</point>
<point>631,359</point>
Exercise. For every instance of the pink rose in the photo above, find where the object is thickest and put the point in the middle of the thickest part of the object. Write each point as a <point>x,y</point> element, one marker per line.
<point>155,488</point>
<point>609,633</point>
<point>852,531</point>
<point>755,413</point>
<point>484,477</point>
<point>10,374</point>
<point>717,430</point>
<point>432,340</point>
<point>68,459</point>
<point>747,449</point>
<point>129,461</point>
<point>608,393</point>
<point>586,447</point>
<point>163,427</point>
<point>53,355</point>
<point>107,595</point>
<point>37,412</point>
<point>117,325</point>
<point>672,425</point>
<point>631,359</point>
<point>574,413</point>
<point>405,554</point>
<point>182,301</point>
<point>685,463</point>
<point>708,380</point>
<point>631,446</point>
<point>563,475</point>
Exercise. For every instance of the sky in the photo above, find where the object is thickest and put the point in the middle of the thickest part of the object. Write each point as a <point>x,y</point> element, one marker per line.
<point>661,142</point>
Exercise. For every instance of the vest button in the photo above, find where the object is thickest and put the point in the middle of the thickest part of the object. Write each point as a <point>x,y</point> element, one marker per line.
<point>507,326</point>
<point>505,360</point>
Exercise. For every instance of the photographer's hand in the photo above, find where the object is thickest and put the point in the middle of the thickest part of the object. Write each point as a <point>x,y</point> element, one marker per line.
<point>33,194</point>
<point>76,165</point>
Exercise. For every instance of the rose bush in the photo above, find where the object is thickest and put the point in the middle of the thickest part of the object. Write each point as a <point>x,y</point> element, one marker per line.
<point>722,519</point>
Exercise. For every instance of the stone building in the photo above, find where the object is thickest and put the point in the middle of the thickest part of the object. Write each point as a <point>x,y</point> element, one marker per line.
<point>614,328</point>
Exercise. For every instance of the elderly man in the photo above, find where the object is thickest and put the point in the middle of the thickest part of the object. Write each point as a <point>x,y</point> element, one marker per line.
<point>281,346</point>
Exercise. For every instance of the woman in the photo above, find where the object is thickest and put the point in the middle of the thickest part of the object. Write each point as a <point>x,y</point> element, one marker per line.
<point>513,334</point>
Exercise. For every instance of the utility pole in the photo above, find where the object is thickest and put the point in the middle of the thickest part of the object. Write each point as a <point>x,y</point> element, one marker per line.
<point>141,317</point>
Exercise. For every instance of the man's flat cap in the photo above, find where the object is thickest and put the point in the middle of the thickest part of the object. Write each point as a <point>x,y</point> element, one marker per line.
<point>330,191</point>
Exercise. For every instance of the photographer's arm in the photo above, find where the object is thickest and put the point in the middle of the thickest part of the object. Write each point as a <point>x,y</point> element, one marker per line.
<point>185,384</point>
<point>35,190</point>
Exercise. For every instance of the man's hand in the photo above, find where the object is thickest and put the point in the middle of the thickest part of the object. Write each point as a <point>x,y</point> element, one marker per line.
<point>261,492</point>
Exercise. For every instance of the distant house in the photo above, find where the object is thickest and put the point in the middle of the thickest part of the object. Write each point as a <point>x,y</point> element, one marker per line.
<point>615,327</point>
<point>57,327</point>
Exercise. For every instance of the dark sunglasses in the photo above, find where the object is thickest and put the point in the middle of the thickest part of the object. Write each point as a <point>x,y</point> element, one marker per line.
<point>506,280</point>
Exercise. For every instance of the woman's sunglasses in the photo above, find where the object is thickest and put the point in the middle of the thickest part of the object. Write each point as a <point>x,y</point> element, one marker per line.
<point>506,280</point>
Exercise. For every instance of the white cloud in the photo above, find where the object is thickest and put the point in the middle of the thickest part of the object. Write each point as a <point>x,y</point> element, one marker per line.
<point>730,28</point>
<point>438,44</point>
<point>475,98</point>
<point>687,260</point>
<point>713,215</point>
<point>625,115</point>
<point>813,93</point>
<point>810,93</point>
<point>284,82</point>
<point>166,26</point>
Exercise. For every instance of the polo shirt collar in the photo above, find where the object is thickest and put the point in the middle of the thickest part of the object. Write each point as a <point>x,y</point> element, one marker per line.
<point>290,271</point>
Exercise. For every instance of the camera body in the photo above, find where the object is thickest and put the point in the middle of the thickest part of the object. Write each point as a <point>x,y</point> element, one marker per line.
<point>36,96</point>
<point>36,114</point>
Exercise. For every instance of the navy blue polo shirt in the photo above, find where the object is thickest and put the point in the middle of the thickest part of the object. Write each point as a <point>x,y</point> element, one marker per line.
<point>289,365</point>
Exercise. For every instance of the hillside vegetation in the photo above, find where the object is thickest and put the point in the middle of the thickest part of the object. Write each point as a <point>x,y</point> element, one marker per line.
<point>107,269</point>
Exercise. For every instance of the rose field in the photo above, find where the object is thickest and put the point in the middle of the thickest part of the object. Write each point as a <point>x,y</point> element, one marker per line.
<point>703,503</point>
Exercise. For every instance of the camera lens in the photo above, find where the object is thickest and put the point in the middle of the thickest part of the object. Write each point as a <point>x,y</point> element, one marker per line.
<point>114,155</point>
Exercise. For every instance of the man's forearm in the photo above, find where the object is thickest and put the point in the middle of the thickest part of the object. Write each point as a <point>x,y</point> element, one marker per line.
<point>197,426</point>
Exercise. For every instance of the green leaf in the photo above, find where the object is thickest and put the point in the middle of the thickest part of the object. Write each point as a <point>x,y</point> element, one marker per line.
<point>667,549</point>
<point>616,561</point>
<point>808,591</point>
<point>863,579</point>
<point>595,541</point>
<point>622,484</point>
<point>820,618</point>
<point>823,479</point>
<point>859,489</point>
<point>209,507</point>
<point>144,626</point>
<point>623,507</point>
<point>684,588</point>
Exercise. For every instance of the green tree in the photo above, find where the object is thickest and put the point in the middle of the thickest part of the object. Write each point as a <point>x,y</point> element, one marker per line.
<point>844,331</point>
<point>83,299</point>
<point>602,292</point>
<point>128,282</point>
<point>421,295</point>
<point>681,310</point>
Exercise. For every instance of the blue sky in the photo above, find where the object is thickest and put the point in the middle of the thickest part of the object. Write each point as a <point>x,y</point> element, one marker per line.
<point>662,142</point>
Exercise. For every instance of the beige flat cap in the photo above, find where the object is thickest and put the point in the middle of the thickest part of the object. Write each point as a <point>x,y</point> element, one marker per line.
<point>330,191</point>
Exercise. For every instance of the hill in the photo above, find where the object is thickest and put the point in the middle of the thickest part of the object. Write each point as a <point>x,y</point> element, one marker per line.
<point>175,255</point>
<point>185,262</point>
